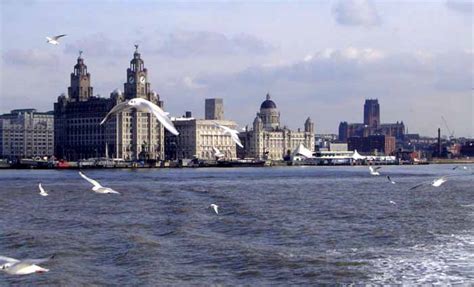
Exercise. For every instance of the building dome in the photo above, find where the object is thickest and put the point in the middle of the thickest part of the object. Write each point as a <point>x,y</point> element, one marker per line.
<point>268,104</point>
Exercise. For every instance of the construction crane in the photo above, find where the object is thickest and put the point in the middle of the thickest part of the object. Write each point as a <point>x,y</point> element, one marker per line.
<point>451,133</point>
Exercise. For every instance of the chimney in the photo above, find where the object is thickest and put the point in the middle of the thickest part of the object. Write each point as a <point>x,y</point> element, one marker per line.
<point>439,142</point>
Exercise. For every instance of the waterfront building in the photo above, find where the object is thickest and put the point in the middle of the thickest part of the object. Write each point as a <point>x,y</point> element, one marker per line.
<point>268,140</point>
<point>129,135</point>
<point>26,133</point>
<point>371,125</point>
<point>372,144</point>
<point>197,137</point>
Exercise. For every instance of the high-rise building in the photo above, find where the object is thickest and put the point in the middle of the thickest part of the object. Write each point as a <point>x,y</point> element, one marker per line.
<point>267,140</point>
<point>26,133</point>
<point>214,109</point>
<point>131,135</point>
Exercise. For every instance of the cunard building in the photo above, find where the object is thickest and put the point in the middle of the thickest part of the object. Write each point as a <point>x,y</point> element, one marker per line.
<point>130,135</point>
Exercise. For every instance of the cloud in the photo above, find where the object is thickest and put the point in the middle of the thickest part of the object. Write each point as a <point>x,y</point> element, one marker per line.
<point>97,45</point>
<point>356,13</point>
<point>205,43</point>
<point>190,83</point>
<point>465,6</point>
<point>31,57</point>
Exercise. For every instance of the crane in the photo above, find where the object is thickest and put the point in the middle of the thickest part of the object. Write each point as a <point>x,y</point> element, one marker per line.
<point>451,133</point>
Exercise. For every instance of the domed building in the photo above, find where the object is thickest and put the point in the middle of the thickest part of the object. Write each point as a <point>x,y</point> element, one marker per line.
<point>268,140</point>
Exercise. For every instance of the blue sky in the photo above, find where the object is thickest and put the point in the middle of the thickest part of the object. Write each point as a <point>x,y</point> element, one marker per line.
<point>316,58</point>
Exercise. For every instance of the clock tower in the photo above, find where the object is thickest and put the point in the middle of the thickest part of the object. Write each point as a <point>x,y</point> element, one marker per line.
<point>137,85</point>
<point>141,135</point>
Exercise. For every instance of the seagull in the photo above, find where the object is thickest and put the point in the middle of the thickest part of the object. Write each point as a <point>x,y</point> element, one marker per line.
<point>54,40</point>
<point>215,207</point>
<point>97,187</point>
<point>436,183</point>
<point>463,167</point>
<point>42,191</point>
<point>233,133</point>
<point>373,170</point>
<point>146,106</point>
<point>390,180</point>
<point>217,153</point>
<point>22,267</point>
<point>393,202</point>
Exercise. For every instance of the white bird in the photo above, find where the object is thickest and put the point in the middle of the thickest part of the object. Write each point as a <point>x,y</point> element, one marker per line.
<point>217,153</point>
<point>42,191</point>
<point>54,40</point>
<point>97,187</point>
<point>22,267</point>
<point>145,106</point>
<point>390,180</point>
<point>463,167</point>
<point>233,133</point>
<point>215,207</point>
<point>373,170</point>
<point>436,183</point>
<point>392,202</point>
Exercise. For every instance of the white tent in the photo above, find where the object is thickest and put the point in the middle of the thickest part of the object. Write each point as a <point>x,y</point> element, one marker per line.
<point>357,156</point>
<point>301,150</point>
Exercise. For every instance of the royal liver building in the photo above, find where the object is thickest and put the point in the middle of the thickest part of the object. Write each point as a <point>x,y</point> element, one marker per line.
<point>129,135</point>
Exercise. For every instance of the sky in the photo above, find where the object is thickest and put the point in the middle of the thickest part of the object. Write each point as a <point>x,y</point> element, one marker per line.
<point>320,59</point>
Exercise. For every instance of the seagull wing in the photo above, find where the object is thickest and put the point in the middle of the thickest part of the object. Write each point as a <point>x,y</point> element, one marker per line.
<point>41,188</point>
<point>4,259</point>
<point>161,116</point>
<point>58,36</point>
<point>117,108</point>
<point>235,138</point>
<point>94,182</point>
<point>416,186</point>
<point>36,261</point>
<point>377,167</point>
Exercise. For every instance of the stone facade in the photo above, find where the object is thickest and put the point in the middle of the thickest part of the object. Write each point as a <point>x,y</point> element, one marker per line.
<point>267,140</point>
<point>26,133</point>
<point>129,135</point>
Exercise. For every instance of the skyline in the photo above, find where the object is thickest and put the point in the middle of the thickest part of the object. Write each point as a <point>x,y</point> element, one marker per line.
<point>355,50</point>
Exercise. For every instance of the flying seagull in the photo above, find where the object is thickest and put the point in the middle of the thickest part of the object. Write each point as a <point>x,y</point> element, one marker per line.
<point>233,133</point>
<point>373,170</point>
<point>393,202</point>
<point>217,153</point>
<point>54,40</point>
<point>42,191</point>
<point>390,180</point>
<point>97,187</point>
<point>22,267</point>
<point>215,207</point>
<point>145,106</point>
<point>436,183</point>
<point>463,167</point>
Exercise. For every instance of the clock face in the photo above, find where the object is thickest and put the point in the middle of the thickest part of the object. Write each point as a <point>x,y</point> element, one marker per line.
<point>142,79</point>
<point>131,79</point>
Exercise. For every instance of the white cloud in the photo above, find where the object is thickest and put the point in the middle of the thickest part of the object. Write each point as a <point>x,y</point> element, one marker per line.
<point>356,13</point>
<point>190,83</point>
<point>463,6</point>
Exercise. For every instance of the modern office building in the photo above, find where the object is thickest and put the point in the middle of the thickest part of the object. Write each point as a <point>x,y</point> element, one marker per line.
<point>372,144</point>
<point>26,133</point>
<point>214,109</point>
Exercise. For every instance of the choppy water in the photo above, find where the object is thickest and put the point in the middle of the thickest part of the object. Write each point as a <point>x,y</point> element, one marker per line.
<point>276,226</point>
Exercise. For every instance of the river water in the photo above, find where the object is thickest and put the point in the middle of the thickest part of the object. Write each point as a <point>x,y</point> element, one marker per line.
<point>276,226</point>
